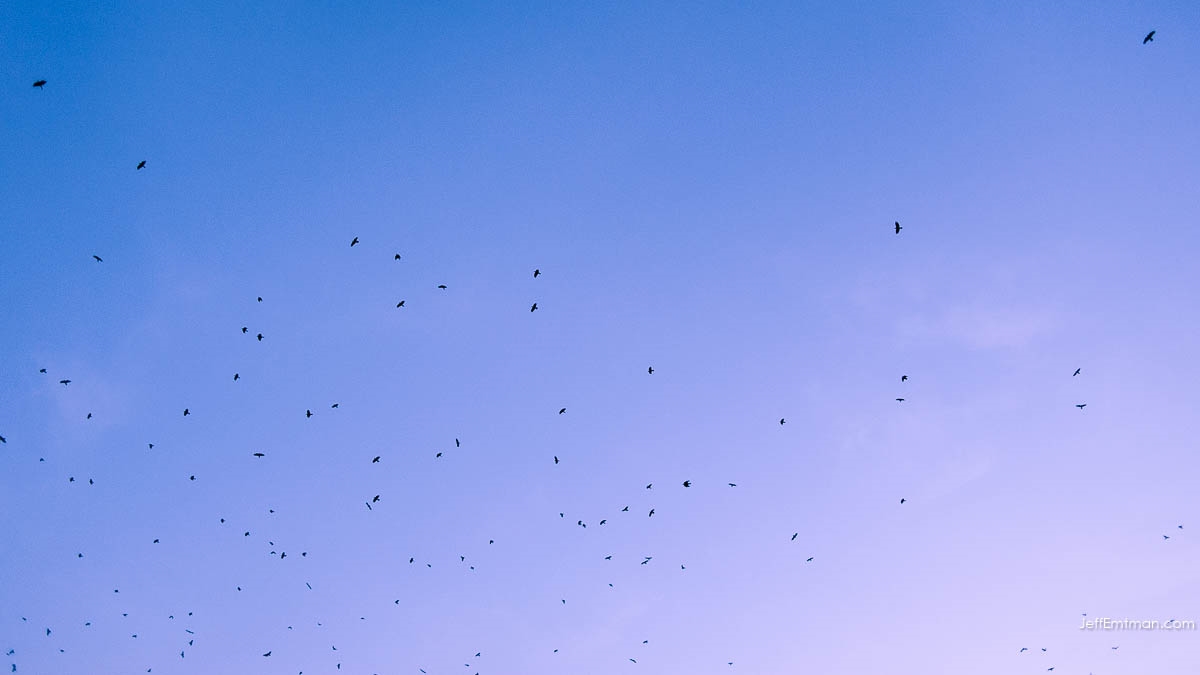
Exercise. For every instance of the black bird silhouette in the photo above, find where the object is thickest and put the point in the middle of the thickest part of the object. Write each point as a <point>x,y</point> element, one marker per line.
<point>651,513</point>
<point>625,509</point>
<point>39,84</point>
<point>900,400</point>
<point>902,500</point>
<point>397,256</point>
<point>556,459</point>
<point>1076,372</point>
<point>1080,405</point>
<point>562,410</point>
<point>536,273</point>
<point>64,382</point>
<point>98,258</point>
<point>260,298</point>
<point>903,378</point>
<point>259,336</point>
<point>442,286</point>
<point>1149,38</point>
<point>141,165</point>
<point>650,486</point>
<point>733,485</point>
<point>236,377</point>
<point>186,412</point>
<point>1165,537</point>
<point>3,439</point>
<point>437,455</point>
<point>42,370</point>
<point>259,454</point>
<point>244,330</point>
<point>334,406</point>
<point>650,370</point>
<point>354,241</point>
<point>782,421</point>
<point>533,308</point>
<point>457,444</point>
<point>687,483</point>
<point>89,416</point>
<point>794,535</point>
<point>375,499</point>
<point>399,304</point>
<point>267,654</point>
<point>376,460</point>
<point>307,414</point>
<point>898,228</point>
<point>809,560</point>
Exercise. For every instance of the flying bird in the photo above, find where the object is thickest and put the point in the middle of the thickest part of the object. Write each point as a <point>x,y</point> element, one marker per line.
<point>898,228</point>
<point>900,400</point>
<point>400,304</point>
<point>98,258</point>
<point>902,500</point>
<point>733,485</point>
<point>556,459</point>
<point>442,286</point>
<point>259,336</point>
<point>650,370</point>
<point>236,377</point>
<point>536,273</point>
<point>1081,406</point>
<point>354,241</point>
<point>307,414</point>
<point>41,83</point>
<point>457,444</point>
<point>260,298</point>
<point>244,330</point>
<point>376,460</point>
<point>903,378</point>
<point>334,406</point>
<point>1076,372</point>
<point>1149,38</point>
<point>186,412</point>
<point>42,370</point>
<point>782,421</point>
<point>64,382</point>
<point>687,483</point>
<point>397,256</point>
<point>533,308</point>
<point>259,454</point>
<point>794,535</point>
<point>651,514</point>
<point>141,165</point>
<point>562,410</point>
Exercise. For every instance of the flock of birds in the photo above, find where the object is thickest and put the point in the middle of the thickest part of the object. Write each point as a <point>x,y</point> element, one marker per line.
<point>374,500</point>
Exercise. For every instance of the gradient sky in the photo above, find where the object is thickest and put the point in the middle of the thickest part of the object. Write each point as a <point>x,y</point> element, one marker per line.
<point>708,189</point>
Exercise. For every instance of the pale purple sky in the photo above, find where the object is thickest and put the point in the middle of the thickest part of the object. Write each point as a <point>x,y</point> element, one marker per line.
<point>708,189</point>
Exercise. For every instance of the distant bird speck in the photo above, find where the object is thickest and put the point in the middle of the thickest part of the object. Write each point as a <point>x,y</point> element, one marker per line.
<point>1149,38</point>
<point>354,241</point>
<point>142,164</point>
<point>898,228</point>
<point>40,84</point>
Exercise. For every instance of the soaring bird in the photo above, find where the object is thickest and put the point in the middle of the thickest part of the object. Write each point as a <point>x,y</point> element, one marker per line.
<point>397,256</point>
<point>1080,405</point>
<point>442,286</point>
<point>556,459</point>
<point>376,460</point>
<point>902,500</point>
<point>400,304</point>
<point>98,258</point>
<point>650,486</point>
<point>236,377</point>
<point>650,370</point>
<point>536,273</point>
<point>782,421</point>
<point>1149,38</point>
<point>186,412</point>
<point>259,336</point>
<point>904,378</point>
<point>64,382</point>
<point>794,535</point>
<point>900,400</point>
<point>533,308</point>
<point>354,241</point>
<point>1076,372</point>
<point>245,329</point>
<point>898,228</point>
<point>334,406</point>
<point>3,439</point>
<point>687,483</point>
<point>733,485</point>
<point>42,370</point>
<point>651,513</point>
<point>625,509</point>
<point>141,165</point>
<point>41,83</point>
<point>260,298</point>
<point>375,499</point>
<point>307,414</point>
<point>267,654</point>
<point>457,444</point>
<point>562,410</point>
<point>259,454</point>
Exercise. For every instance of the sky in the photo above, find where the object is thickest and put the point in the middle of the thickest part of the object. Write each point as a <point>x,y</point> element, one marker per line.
<point>708,189</point>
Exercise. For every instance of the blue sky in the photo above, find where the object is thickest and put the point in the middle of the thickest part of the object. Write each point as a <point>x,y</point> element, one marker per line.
<point>707,189</point>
